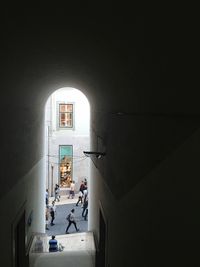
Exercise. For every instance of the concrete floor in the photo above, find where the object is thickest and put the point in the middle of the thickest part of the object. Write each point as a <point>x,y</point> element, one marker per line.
<point>65,259</point>
<point>79,250</point>
<point>76,242</point>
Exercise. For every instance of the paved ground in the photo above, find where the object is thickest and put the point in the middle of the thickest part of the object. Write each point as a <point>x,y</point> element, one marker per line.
<point>62,209</point>
<point>79,250</point>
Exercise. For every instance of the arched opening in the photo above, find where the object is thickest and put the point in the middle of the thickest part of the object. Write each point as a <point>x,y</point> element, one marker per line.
<point>67,135</point>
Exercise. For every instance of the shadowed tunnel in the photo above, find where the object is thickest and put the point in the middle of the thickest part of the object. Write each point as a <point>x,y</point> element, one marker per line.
<point>139,75</point>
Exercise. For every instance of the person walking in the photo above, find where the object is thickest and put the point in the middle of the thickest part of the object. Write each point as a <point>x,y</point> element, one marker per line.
<point>47,197</point>
<point>80,198</point>
<point>72,188</point>
<point>47,218</point>
<point>85,182</point>
<point>82,186</point>
<point>52,212</point>
<point>85,194</point>
<point>57,192</point>
<point>86,214</point>
<point>85,209</point>
<point>71,220</point>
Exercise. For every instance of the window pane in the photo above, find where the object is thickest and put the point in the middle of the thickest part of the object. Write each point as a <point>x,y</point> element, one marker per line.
<point>62,119</point>
<point>69,108</point>
<point>62,115</point>
<point>66,115</point>
<point>69,123</point>
<point>63,108</point>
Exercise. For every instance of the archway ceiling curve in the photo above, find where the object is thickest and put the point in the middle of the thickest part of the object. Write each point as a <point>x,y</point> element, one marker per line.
<point>135,65</point>
<point>116,61</point>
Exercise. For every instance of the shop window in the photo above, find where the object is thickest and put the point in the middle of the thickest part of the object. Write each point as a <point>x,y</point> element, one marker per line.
<point>66,161</point>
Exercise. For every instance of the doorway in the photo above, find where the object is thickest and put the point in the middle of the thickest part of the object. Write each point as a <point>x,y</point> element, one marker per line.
<point>102,245</point>
<point>66,165</point>
<point>20,259</point>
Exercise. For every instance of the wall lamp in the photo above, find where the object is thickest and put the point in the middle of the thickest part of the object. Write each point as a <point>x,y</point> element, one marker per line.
<point>98,155</point>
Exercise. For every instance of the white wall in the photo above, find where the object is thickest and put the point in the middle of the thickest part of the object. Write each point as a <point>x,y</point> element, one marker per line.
<point>82,110</point>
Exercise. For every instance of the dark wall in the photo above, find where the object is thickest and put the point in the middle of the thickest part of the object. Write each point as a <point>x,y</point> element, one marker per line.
<point>138,73</point>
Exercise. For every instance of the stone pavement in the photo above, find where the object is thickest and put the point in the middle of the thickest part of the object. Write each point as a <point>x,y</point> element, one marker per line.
<point>62,210</point>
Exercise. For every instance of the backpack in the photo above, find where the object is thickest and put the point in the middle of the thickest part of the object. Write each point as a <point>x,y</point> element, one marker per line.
<point>68,217</point>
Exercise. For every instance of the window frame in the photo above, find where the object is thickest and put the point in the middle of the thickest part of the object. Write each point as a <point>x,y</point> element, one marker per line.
<point>71,127</point>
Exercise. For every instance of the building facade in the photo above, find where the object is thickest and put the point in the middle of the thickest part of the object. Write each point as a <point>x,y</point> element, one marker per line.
<point>67,136</point>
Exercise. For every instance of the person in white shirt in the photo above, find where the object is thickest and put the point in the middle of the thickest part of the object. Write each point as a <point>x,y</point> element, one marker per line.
<point>85,194</point>
<point>72,188</point>
<point>80,198</point>
<point>71,221</point>
<point>57,193</point>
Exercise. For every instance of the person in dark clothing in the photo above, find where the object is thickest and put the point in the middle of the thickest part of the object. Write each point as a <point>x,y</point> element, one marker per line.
<point>86,214</point>
<point>82,187</point>
<point>47,197</point>
<point>85,208</point>
<point>53,244</point>
<point>52,212</point>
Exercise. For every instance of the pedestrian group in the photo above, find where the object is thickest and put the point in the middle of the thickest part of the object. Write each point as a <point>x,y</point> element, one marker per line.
<point>51,209</point>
